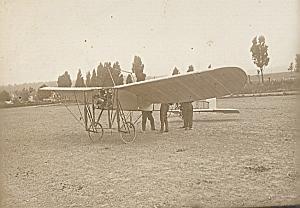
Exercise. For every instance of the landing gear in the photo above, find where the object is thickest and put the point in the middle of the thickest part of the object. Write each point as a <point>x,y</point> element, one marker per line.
<point>114,110</point>
<point>127,132</point>
<point>95,131</point>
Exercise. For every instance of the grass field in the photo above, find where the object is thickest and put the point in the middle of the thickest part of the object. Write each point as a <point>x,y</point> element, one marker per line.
<point>245,159</point>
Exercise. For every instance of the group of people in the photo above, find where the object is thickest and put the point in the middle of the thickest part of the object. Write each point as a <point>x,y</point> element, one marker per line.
<point>187,114</point>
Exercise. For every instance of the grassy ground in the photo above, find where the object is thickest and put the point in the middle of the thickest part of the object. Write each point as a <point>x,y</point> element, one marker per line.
<point>246,159</point>
<point>4,105</point>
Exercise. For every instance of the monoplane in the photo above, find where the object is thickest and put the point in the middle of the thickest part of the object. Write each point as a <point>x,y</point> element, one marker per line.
<point>137,96</point>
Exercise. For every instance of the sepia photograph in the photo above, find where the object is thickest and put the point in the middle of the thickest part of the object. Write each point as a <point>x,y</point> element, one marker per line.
<point>140,103</point>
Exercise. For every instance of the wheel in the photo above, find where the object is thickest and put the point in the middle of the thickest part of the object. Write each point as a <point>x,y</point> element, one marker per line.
<point>127,132</point>
<point>95,132</point>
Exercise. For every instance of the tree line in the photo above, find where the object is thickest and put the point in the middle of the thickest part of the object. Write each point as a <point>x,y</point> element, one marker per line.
<point>25,95</point>
<point>106,75</point>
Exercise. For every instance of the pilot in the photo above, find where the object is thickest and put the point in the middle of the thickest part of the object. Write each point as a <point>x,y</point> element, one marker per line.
<point>187,113</point>
<point>99,101</point>
<point>164,108</point>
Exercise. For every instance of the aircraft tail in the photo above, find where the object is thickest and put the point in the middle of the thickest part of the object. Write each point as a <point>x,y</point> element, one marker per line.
<point>212,103</point>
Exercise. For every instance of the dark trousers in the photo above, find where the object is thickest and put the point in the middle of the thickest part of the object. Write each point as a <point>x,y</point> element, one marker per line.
<point>147,115</point>
<point>164,122</point>
<point>163,115</point>
<point>188,118</point>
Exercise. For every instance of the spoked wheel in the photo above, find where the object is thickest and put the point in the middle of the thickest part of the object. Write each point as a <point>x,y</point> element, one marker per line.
<point>127,132</point>
<point>95,132</point>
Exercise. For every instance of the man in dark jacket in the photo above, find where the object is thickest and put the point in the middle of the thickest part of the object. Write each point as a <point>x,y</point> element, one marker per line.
<point>164,108</point>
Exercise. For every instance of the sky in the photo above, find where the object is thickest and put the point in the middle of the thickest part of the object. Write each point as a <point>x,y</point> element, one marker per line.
<point>39,40</point>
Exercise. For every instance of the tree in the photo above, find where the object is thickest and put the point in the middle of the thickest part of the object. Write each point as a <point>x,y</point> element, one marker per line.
<point>190,69</point>
<point>116,74</point>
<point>43,94</point>
<point>291,67</point>
<point>103,74</point>
<point>94,81</point>
<point>31,90</point>
<point>297,62</point>
<point>259,51</point>
<point>100,72</point>
<point>4,96</point>
<point>24,94</point>
<point>79,80</point>
<point>121,79</point>
<point>175,71</point>
<point>88,79</point>
<point>64,80</point>
<point>138,68</point>
<point>129,79</point>
<point>106,77</point>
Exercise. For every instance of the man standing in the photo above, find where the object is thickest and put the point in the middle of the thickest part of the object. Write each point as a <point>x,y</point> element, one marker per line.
<point>164,108</point>
<point>187,113</point>
<point>147,114</point>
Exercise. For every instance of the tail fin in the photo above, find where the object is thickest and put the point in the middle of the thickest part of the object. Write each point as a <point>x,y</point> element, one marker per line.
<point>212,103</point>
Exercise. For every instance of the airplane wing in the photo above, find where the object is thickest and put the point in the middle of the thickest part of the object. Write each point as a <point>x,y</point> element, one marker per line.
<point>75,94</point>
<point>188,87</point>
<point>69,89</point>
<point>174,89</point>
